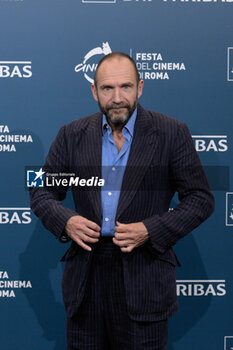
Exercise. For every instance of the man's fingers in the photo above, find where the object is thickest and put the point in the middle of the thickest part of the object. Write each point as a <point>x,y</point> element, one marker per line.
<point>83,228</point>
<point>127,249</point>
<point>122,236</point>
<point>121,227</point>
<point>82,244</point>
<point>87,231</point>
<point>92,225</point>
<point>90,239</point>
<point>83,231</point>
<point>123,243</point>
<point>84,225</point>
<point>84,237</point>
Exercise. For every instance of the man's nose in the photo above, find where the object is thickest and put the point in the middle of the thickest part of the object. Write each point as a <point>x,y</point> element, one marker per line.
<point>117,96</point>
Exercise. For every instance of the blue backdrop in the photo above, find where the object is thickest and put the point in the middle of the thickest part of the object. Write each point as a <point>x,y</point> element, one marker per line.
<point>49,51</point>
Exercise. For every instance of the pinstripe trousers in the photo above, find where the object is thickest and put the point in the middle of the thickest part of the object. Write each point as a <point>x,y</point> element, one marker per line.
<point>102,321</point>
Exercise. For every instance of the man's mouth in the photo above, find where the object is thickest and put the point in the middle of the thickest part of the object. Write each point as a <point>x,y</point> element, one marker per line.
<point>117,108</point>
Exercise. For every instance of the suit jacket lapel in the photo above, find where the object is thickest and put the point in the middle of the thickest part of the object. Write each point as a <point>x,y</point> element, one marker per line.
<point>90,158</point>
<point>143,146</point>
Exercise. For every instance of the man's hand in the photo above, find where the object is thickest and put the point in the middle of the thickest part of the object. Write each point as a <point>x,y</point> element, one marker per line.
<point>81,230</point>
<point>130,236</point>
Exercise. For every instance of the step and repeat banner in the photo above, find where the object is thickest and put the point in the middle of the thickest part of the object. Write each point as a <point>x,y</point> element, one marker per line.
<point>49,51</point>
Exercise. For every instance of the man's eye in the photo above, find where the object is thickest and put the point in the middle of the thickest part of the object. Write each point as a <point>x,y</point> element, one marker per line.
<point>107,88</point>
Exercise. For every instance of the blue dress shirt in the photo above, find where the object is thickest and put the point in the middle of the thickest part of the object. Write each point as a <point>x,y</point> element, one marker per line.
<point>113,168</point>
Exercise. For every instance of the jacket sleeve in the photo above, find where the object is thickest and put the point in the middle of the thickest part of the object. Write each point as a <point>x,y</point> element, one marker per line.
<point>46,201</point>
<point>196,199</point>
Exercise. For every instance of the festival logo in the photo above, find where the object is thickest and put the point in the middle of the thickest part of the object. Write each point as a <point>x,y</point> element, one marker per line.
<point>9,288</point>
<point>89,64</point>
<point>9,141</point>
<point>155,65</point>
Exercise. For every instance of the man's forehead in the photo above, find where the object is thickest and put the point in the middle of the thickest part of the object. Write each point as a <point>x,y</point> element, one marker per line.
<point>120,68</point>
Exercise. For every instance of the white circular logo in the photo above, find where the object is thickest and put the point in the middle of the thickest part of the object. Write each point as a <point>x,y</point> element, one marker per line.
<point>89,67</point>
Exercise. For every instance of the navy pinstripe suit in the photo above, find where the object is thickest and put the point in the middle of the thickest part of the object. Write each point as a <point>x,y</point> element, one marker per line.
<point>162,161</point>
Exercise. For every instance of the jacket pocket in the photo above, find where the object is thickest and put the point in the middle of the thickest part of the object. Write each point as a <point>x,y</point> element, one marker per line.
<point>169,256</point>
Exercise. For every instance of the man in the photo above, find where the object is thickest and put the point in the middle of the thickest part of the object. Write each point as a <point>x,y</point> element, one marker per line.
<point>119,278</point>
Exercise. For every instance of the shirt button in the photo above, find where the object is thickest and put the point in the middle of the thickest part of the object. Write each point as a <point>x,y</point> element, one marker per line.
<point>109,193</point>
<point>113,168</point>
<point>106,219</point>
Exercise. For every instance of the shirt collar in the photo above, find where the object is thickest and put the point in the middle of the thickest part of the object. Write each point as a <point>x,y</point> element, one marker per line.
<point>129,125</point>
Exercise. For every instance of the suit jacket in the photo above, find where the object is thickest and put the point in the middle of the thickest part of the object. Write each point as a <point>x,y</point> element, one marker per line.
<point>162,161</point>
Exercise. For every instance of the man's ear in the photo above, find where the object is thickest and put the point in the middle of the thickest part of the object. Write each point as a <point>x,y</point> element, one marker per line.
<point>140,88</point>
<point>94,92</point>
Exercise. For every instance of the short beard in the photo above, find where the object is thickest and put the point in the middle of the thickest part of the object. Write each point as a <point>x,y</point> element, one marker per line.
<point>118,122</point>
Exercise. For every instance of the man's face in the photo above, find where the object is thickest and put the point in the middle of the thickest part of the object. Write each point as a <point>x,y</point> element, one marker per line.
<point>117,90</point>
